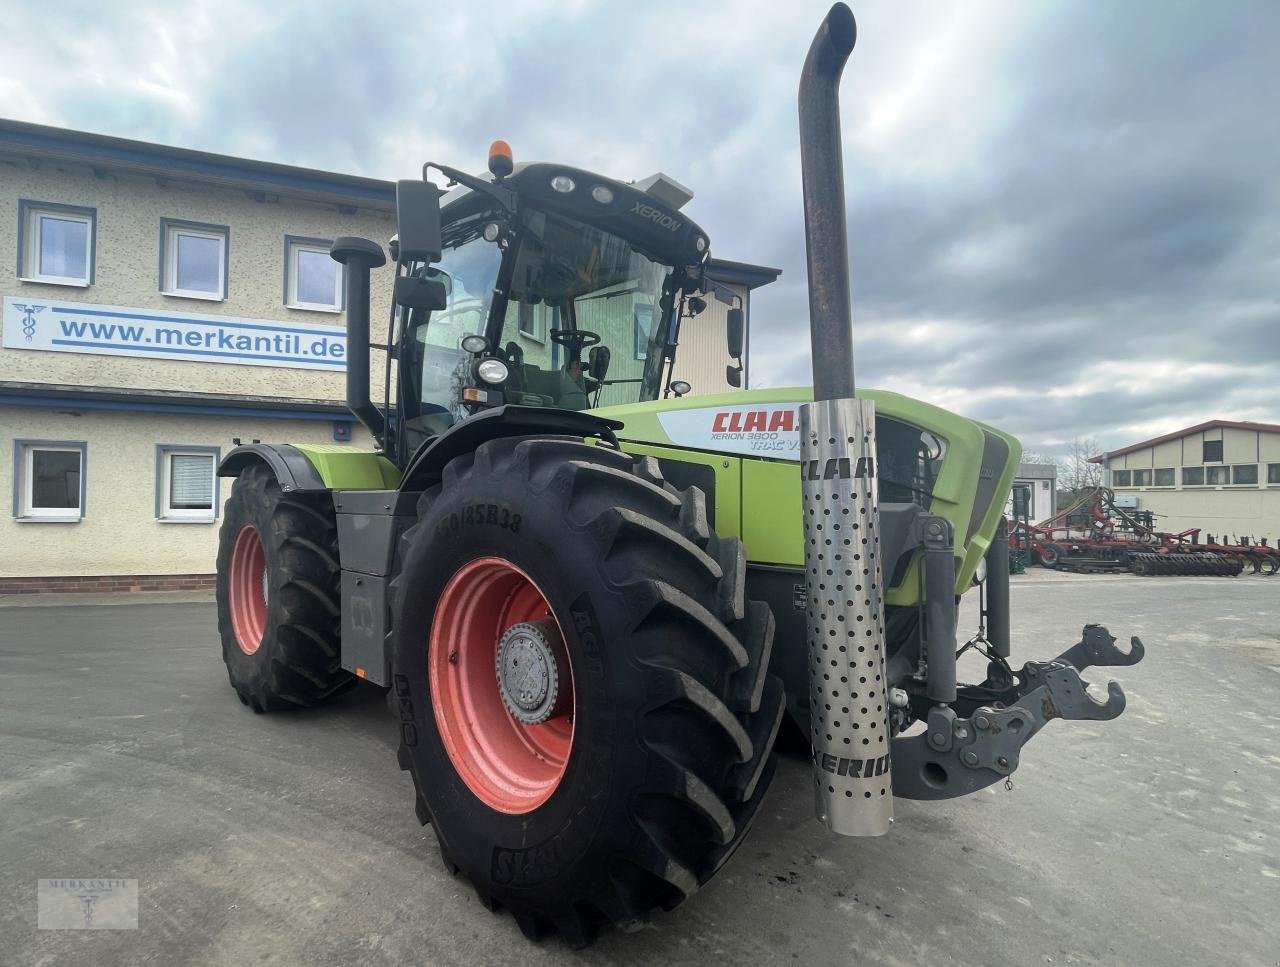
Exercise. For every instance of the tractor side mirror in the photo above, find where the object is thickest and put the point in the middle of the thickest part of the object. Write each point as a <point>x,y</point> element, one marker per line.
<point>733,376</point>
<point>598,363</point>
<point>734,330</point>
<point>418,221</point>
<point>416,293</point>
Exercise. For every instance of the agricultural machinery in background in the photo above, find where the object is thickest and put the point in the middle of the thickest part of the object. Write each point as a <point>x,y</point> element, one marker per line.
<point>1095,534</point>
<point>570,573</point>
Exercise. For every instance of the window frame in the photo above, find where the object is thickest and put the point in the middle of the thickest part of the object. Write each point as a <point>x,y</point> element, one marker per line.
<point>1188,483</point>
<point>1244,483</point>
<point>1204,451</point>
<point>1115,478</point>
<point>171,515</point>
<point>1155,478</point>
<point>1211,471</point>
<point>636,341</point>
<point>535,315</point>
<point>297,243</point>
<point>1137,478</point>
<point>24,470</point>
<point>29,212</point>
<point>170,227</point>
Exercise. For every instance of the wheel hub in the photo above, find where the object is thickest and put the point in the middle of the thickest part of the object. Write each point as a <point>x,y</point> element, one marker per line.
<point>528,668</point>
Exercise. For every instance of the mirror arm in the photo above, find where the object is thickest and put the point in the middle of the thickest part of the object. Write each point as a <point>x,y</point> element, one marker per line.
<point>503,196</point>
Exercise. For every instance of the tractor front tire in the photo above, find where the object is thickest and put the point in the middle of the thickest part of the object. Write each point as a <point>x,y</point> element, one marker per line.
<point>653,762</point>
<point>278,592</point>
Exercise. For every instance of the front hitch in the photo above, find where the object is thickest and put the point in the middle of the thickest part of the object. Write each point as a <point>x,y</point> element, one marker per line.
<point>976,740</point>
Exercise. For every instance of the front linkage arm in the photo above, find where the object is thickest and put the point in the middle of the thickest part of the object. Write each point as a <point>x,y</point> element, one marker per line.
<point>975,740</point>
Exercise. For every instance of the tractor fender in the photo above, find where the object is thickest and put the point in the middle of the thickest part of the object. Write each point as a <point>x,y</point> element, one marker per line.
<point>293,471</point>
<point>427,465</point>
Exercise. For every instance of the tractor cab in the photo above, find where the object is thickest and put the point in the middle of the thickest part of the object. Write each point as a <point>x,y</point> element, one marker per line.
<point>554,287</point>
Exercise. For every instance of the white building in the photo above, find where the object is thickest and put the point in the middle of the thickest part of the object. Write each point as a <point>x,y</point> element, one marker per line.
<point>1222,476</point>
<point>1040,481</point>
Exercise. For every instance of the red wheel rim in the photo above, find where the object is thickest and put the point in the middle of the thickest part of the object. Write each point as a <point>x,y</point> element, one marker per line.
<point>248,589</point>
<point>509,766</point>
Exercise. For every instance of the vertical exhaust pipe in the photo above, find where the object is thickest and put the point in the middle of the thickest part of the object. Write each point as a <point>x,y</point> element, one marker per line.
<point>848,700</point>
<point>358,256</point>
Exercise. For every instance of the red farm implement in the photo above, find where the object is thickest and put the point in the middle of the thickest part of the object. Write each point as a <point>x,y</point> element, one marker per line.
<point>1094,534</point>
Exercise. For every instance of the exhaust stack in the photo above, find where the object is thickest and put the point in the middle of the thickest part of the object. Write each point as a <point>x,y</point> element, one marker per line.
<point>848,700</point>
<point>358,256</point>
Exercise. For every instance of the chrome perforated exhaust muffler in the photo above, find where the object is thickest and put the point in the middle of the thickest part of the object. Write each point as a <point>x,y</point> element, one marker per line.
<point>848,700</point>
<point>848,703</point>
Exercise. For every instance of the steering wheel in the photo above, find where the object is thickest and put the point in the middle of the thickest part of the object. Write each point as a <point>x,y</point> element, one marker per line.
<point>574,340</point>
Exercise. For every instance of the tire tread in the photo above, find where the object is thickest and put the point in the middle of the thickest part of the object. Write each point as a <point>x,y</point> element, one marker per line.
<point>680,582</point>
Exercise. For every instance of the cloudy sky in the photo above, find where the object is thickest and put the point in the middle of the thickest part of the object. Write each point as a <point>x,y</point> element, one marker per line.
<point>1064,217</point>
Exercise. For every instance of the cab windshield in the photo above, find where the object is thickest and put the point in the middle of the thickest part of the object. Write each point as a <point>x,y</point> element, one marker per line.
<point>585,323</point>
<point>586,318</point>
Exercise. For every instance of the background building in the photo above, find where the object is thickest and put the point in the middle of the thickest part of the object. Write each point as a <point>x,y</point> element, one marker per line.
<point>1041,481</point>
<point>1222,476</point>
<point>160,304</point>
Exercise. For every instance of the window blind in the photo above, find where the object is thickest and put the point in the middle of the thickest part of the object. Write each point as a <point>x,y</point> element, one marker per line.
<point>191,481</point>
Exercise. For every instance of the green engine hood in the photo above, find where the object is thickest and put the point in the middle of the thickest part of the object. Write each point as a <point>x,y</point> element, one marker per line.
<point>756,433</point>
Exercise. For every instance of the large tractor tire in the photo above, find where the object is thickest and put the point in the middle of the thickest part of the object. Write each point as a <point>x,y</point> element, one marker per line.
<point>278,594</point>
<point>583,690</point>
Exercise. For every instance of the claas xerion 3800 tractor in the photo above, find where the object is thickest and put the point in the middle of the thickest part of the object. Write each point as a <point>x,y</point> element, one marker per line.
<point>594,598</point>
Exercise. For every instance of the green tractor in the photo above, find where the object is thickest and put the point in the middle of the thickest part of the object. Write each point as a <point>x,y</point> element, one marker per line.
<point>593,599</point>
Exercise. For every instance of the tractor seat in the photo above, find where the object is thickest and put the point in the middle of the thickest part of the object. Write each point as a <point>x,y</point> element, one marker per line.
<point>540,381</point>
<point>556,387</point>
<point>573,396</point>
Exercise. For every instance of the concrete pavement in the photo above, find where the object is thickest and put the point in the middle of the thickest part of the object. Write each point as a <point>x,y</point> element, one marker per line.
<point>290,839</point>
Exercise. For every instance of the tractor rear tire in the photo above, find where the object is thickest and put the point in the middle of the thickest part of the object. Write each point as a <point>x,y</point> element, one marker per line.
<point>634,793</point>
<point>278,592</point>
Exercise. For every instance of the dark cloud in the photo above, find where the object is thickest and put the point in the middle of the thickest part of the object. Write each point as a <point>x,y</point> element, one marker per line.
<point>1063,219</point>
<point>1131,201</point>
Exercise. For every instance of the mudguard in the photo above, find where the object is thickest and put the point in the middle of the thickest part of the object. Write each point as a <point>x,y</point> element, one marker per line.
<point>313,467</point>
<point>502,421</point>
<point>294,472</point>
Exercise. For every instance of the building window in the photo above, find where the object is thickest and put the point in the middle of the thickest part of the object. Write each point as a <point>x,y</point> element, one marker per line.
<point>187,483</point>
<point>530,322</point>
<point>1245,473</point>
<point>1212,451</point>
<point>1273,473</point>
<point>56,243</point>
<point>312,280</point>
<point>1120,478</point>
<point>643,326</point>
<point>1217,476</point>
<point>1193,476</point>
<point>48,480</point>
<point>193,259</point>
<point>1164,477</point>
<point>1142,478</point>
